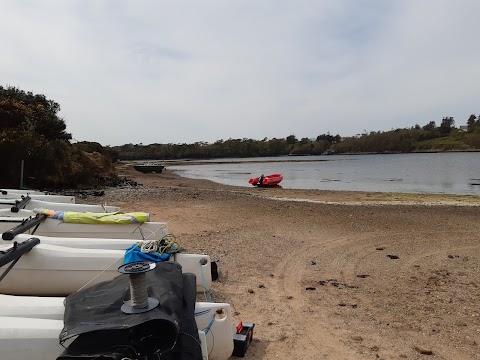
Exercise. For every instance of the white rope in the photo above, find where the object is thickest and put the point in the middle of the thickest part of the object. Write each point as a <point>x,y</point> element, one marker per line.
<point>150,246</point>
<point>101,272</point>
<point>166,245</point>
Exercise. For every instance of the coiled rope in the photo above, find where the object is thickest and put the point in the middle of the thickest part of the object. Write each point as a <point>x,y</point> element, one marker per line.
<point>138,291</point>
<point>166,245</point>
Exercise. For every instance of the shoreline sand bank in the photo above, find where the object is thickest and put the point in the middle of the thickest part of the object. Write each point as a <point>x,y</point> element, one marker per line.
<point>342,275</point>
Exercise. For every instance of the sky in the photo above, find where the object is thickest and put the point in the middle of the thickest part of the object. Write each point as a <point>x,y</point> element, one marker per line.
<point>186,71</point>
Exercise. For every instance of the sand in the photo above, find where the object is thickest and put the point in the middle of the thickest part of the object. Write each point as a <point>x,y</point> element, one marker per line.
<point>330,275</point>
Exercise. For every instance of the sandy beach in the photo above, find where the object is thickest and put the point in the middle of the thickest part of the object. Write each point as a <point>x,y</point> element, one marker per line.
<point>330,275</point>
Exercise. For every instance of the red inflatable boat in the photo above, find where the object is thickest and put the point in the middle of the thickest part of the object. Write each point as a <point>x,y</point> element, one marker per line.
<point>268,180</point>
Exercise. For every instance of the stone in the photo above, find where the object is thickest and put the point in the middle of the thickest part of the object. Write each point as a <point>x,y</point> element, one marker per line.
<point>423,351</point>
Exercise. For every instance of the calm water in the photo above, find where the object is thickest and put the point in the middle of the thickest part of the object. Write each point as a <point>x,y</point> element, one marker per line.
<point>441,173</point>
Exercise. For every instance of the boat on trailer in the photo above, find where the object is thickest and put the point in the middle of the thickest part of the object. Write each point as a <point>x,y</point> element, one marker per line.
<point>41,224</point>
<point>28,203</point>
<point>22,192</point>
<point>42,269</point>
<point>30,327</point>
<point>63,199</point>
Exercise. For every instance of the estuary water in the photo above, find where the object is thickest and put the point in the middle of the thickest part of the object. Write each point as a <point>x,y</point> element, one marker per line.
<point>437,173</point>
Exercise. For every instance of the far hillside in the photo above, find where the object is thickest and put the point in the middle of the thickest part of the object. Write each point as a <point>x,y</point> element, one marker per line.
<point>428,138</point>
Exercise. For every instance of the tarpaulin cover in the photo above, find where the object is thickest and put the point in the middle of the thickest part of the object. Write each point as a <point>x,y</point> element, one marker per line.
<point>105,332</point>
<point>96,218</point>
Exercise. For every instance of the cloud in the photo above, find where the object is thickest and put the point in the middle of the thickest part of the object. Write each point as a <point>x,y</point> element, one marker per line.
<point>187,71</point>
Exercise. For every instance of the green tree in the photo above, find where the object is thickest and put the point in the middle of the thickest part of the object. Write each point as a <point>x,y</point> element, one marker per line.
<point>471,122</point>
<point>447,125</point>
<point>291,140</point>
<point>31,130</point>
<point>430,126</point>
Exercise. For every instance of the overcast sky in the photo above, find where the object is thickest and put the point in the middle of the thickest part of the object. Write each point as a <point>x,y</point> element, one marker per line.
<point>187,71</point>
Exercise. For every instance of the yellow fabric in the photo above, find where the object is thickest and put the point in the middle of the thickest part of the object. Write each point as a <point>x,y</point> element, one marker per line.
<point>106,218</point>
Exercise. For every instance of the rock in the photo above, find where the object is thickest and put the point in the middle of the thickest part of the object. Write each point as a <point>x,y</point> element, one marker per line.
<point>289,297</point>
<point>251,291</point>
<point>380,248</point>
<point>393,257</point>
<point>363,276</point>
<point>310,288</point>
<point>261,286</point>
<point>423,350</point>
<point>357,338</point>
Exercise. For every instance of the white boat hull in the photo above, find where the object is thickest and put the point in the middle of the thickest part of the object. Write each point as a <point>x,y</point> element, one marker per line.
<point>29,339</point>
<point>57,228</point>
<point>39,204</point>
<point>50,270</point>
<point>22,192</point>
<point>31,330</point>
<point>52,198</point>
<point>80,242</point>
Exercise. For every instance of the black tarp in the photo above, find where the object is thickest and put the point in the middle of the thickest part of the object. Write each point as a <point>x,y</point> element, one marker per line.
<point>103,331</point>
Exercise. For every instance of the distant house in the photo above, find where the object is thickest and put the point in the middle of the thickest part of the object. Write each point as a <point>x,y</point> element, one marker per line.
<point>463,128</point>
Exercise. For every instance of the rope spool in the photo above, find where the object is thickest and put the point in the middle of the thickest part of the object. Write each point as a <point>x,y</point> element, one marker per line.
<point>139,301</point>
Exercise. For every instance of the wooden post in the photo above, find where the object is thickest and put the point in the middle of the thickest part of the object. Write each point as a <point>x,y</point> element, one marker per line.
<point>21,174</point>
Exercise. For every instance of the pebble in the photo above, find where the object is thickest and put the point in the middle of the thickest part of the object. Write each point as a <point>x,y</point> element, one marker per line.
<point>423,351</point>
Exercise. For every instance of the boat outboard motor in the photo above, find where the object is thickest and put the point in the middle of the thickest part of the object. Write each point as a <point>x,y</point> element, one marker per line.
<point>24,226</point>
<point>20,204</point>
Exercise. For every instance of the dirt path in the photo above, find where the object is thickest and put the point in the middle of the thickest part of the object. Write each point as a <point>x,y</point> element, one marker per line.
<point>328,278</point>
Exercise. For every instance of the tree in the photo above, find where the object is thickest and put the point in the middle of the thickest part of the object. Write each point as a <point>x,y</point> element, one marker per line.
<point>330,139</point>
<point>291,140</point>
<point>430,126</point>
<point>447,125</point>
<point>471,123</point>
<point>31,130</point>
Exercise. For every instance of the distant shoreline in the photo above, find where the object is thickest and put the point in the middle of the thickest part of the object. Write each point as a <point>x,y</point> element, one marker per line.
<point>179,162</point>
